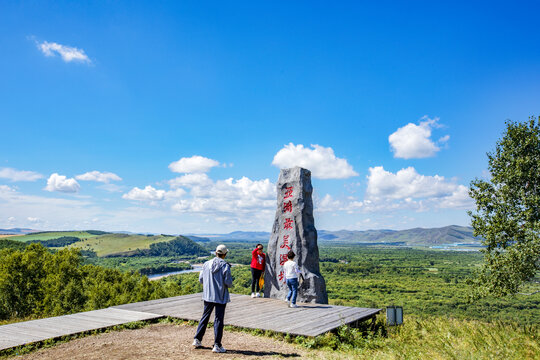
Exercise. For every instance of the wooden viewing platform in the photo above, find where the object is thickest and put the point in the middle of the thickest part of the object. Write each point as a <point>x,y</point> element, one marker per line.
<point>243,311</point>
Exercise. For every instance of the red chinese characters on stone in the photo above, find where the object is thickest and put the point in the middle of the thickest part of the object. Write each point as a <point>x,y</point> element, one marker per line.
<point>288,192</point>
<point>287,207</point>
<point>288,224</point>
<point>281,275</point>
<point>285,243</point>
<point>282,259</point>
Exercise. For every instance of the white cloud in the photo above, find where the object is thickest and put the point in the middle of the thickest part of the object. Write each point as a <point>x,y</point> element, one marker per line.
<point>175,194</point>
<point>53,213</point>
<point>405,183</point>
<point>409,189</point>
<point>242,203</point>
<point>190,180</point>
<point>459,199</point>
<point>6,190</point>
<point>405,189</point>
<point>61,183</point>
<point>104,177</point>
<point>19,175</point>
<point>444,139</point>
<point>67,53</point>
<point>329,204</point>
<point>320,160</point>
<point>194,164</point>
<point>230,198</point>
<point>414,141</point>
<point>150,194</point>
<point>146,194</point>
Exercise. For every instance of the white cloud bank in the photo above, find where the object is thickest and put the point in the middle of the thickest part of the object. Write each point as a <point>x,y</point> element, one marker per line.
<point>242,203</point>
<point>414,141</point>
<point>60,183</point>
<point>194,164</point>
<point>405,189</point>
<point>228,198</point>
<point>22,210</point>
<point>67,53</point>
<point>147,194</point>
<point>104,177</point>
<point>19,175</point>
<point>321,160</point>
<point>408,188</point>
<point>190,180</point>
<point>151,194</point>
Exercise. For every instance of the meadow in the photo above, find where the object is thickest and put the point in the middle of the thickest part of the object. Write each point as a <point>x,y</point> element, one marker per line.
<point>100,242</point>
<point>48,235</point>
<point>109,244</point>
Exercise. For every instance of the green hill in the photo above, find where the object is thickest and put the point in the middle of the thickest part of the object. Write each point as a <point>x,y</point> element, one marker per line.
<point>48,235</point>
<point>418,236</point>
<point>111,244</point>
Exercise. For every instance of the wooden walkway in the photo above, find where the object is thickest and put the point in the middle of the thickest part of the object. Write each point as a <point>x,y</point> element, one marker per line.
<point>28,332</point>
<point>243,311</point>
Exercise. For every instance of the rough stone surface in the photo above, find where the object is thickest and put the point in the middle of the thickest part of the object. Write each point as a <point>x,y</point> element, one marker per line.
<point>294,228</point>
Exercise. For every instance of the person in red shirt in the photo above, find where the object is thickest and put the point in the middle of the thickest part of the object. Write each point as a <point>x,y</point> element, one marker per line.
<point>258,262</point>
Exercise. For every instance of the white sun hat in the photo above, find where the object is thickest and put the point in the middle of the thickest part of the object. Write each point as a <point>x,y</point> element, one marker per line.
<point>221,249</point>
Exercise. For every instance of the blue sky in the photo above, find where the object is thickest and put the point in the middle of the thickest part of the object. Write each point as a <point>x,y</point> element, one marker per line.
<point>176,117</point>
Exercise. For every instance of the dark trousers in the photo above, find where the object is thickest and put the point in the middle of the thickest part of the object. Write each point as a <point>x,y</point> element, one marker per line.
<point>218,321</point>
<point>255,276</point>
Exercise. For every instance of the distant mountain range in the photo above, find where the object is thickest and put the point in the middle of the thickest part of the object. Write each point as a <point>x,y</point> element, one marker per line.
<point>17,231</point>
<point>452,234</point>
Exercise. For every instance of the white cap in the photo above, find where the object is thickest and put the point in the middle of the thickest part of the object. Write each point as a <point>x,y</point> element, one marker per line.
<point>221,249</point>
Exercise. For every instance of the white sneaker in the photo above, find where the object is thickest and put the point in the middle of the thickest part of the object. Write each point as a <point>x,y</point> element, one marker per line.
<point>252,295</point>
<point>197,343</point>
<point>293,306</point>
<point>218,349</point>
<point>258,295</point>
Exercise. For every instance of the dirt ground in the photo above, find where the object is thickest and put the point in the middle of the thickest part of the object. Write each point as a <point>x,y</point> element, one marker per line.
<point>169,341</point>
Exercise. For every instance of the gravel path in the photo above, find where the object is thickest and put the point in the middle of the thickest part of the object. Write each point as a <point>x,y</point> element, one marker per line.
<point>169,341</point>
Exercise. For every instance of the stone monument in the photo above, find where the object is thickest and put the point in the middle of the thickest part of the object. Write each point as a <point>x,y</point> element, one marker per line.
<point>294,229</point>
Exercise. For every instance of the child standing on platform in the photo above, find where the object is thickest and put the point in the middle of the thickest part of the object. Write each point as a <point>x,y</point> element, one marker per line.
<point>291,275</point>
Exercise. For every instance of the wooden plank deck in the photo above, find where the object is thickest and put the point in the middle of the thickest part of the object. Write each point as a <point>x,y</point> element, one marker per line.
<point>242,311</point>
<point>27,332</point>
<point>259,313</point>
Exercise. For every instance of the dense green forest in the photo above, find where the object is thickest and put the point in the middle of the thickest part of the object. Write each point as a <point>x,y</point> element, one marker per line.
<point>144,265</point>
<point>424,282</point>
<point>37,283</point>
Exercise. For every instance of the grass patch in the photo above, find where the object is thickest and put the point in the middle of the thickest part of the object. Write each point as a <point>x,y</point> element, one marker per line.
<point>118,243</point>
<point>52,235</point>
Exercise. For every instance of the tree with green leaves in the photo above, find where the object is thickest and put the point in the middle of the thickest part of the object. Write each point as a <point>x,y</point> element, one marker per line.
<point>507,214</point>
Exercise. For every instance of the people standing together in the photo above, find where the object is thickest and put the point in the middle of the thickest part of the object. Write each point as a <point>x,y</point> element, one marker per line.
<point>216,279</point>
